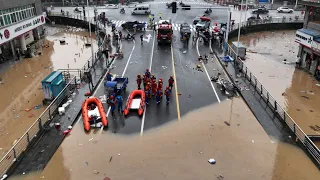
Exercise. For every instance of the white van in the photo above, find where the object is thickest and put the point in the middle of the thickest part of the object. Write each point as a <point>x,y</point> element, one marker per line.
<point>141,9</point>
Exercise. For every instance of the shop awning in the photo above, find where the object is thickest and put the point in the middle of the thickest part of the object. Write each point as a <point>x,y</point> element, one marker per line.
<point>310,32</point>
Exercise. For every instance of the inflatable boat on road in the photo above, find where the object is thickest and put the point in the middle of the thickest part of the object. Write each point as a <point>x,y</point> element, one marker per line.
<point>136,101</point>
<point>93,113</point>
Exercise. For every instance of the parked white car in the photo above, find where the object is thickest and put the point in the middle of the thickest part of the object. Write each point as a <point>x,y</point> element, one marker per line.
<point>284,10</point>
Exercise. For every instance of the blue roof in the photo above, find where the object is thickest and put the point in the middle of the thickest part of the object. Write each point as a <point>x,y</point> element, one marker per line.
<point>310,32</point>
<point>51,76</point>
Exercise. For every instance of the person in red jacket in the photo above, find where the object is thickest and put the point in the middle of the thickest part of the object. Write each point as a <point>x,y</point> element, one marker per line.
<point>154,87</point>
<point>139,80</point>
<point>148,93</point>
<point>171,81</point>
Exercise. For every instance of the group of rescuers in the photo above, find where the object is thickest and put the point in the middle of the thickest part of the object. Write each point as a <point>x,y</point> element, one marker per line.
<point>152,88</point>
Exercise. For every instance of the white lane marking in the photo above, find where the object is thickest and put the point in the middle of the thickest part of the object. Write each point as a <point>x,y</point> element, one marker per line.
<point>124,71</point>
<point>205,69</point>
<point>150,68</point>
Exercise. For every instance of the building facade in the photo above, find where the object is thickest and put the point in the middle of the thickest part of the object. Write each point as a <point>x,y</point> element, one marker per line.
<point>20,25</point>
<point>308,38</point>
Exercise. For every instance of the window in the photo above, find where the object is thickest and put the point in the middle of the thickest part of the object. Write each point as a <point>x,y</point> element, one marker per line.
<point>1,21</point>
<point>13,17</point>
<point>20,15</point>
<point>17,15</point>
<point>6,21</point>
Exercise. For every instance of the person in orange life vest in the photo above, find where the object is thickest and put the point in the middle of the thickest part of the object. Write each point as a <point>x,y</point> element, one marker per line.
<point>168,94</point>
<point>147,92</point>
<point>109,76</point>
<point>153,77</point>
<point>154,87</point>
<point>144,79</point>
<point>139,80</point>
<point>148,74</point>
<point>171,81</point>
<point>148,81</point>
<point>112,103</point>
<point>158,96</point>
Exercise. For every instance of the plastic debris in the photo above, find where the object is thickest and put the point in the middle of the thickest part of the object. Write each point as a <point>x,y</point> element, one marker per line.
<point>95,172</point>
<point>16,117</point>
<point>57,125</point>
<point>87,163</point>
<point>69,127</point>
<point>164,67</point>
<point>4,177</point>
<point>212,161</point>
<point>37,106</point>
<point>91,139</point>
<point>318,85</point>
<point>118,154</point>
<point>227,123</point>
<point>42,177</point>
<point>110,159</point>
<point>66,132</point>
<point>252,141</point>
<point>23,173</point>
<point>179,93</point>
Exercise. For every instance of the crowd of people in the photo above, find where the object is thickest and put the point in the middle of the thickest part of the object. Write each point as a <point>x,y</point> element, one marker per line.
<point>151,87</point>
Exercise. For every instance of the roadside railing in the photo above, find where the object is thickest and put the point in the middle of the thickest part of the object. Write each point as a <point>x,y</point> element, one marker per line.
<point>37,128</point>
<point>276,107</point>
<point>72,77</point>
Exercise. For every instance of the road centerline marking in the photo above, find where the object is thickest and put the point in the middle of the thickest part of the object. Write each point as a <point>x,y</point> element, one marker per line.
<point>175,84</point>
<point>150,66</point>
<point>205,69</point>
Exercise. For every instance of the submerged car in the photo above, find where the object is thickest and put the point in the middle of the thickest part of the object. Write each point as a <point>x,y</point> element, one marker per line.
<point>185,29</point>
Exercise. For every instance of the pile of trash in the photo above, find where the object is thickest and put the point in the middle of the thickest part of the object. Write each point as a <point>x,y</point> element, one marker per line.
<point>62,109</point>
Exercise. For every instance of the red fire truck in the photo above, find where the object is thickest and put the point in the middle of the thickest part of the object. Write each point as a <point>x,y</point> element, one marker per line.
<point>164,32</point>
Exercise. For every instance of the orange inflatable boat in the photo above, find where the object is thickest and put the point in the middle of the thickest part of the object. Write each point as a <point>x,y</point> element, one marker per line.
<point>136,100</point>
<point>93,113</point>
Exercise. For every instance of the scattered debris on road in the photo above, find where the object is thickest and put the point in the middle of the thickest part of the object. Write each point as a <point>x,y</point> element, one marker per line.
<point>212,161</point>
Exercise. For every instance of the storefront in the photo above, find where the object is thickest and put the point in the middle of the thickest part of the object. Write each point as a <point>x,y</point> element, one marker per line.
<point>309,58</point>
<point>21,34</point>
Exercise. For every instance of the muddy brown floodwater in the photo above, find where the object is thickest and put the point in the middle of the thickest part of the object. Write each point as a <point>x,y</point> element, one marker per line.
<point>295,89</point>
<point>181,150</point>
<point>20,89</point>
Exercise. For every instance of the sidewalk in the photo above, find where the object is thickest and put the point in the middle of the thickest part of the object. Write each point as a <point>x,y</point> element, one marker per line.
<point>273,126</point>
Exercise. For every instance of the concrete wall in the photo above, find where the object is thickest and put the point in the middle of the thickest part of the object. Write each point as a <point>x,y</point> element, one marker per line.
<point>266,27</point>
<point>6,4</point>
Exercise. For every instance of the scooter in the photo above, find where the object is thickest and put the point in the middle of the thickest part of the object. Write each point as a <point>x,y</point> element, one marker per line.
<point>122,11</point>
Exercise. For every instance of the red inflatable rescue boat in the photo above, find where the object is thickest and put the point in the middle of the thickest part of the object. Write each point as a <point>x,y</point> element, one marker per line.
<point>136,100</point>
<point>204,18</point>
<point>93,113</point>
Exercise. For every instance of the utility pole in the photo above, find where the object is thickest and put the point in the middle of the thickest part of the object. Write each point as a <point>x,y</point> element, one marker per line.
<point>239,31</point>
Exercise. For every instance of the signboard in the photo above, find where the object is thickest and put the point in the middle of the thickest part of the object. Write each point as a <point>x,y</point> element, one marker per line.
<point>315,46</point>
<point>304,39</point>
<point>10,32</point>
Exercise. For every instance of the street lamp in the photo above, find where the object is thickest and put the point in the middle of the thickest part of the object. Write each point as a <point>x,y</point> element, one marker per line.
<point>92,54</point>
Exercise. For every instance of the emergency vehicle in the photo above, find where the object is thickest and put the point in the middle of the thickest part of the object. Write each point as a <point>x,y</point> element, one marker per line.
<point>164,31</point>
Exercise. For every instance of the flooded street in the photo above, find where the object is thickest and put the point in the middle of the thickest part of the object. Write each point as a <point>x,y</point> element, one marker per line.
<point>295,89</point>
<point>181,150</point>
<point>20,89</point>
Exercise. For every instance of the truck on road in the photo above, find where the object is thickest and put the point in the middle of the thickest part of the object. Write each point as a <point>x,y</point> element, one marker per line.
<point>164,32</point>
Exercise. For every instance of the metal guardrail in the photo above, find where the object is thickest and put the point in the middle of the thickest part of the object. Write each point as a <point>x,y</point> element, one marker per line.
<point>36,129</point>
<point>276,108</point>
